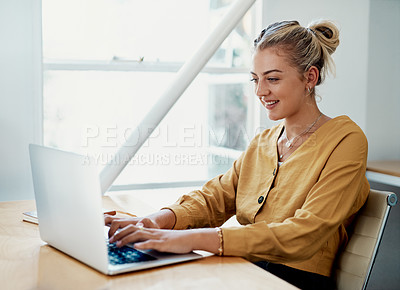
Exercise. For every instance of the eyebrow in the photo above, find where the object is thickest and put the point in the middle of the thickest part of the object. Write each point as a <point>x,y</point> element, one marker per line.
<point>267,72</point>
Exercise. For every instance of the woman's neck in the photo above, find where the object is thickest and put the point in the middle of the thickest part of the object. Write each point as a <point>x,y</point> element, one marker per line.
<point>303,124</point>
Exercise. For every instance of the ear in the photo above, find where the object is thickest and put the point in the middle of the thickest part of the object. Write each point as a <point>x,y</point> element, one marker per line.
<point>311,77</point>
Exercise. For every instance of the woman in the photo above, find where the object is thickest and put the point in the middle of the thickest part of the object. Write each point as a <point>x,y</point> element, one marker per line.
<point>296,187</point>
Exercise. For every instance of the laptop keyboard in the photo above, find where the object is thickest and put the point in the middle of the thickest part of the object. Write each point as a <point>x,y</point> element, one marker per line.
<point>125,255</point>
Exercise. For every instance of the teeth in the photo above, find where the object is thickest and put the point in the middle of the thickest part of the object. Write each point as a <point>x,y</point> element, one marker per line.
<point>271,102</point>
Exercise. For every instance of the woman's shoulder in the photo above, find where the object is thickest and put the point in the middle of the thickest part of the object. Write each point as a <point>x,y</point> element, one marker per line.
<point>342,127</point>
<point>343,124</point>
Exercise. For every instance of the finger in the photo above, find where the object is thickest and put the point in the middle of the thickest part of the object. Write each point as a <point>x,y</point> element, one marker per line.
<point>118,223</point>
<point>133,234</point>
<point>148,245</point>
<point>108,219</point>
<point>115,225</point>
<point>161,246</point>
<point>127,231</point>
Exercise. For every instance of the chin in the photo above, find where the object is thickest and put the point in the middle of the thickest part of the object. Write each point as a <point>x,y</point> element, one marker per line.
<point>274,117</point>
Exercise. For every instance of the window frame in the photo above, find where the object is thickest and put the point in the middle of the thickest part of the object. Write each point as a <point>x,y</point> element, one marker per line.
<point>117,64</point>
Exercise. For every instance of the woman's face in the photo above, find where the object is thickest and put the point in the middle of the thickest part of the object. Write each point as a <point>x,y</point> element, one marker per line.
<point>280,87</point>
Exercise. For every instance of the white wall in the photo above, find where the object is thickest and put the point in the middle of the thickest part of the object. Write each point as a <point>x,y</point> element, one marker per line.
<point>346,93</point>
<point>383,86</point>
<point>366,87</point>
<point>20,90</point>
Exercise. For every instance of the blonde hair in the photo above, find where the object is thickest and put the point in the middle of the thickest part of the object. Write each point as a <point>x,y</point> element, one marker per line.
<point>303,46</point>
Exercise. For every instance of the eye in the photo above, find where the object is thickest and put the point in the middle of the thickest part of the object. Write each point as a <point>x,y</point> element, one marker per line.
<point>254,80</point>
<point>273,80</point>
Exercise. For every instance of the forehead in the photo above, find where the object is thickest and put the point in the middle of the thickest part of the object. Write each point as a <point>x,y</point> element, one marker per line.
<point>270,59</point>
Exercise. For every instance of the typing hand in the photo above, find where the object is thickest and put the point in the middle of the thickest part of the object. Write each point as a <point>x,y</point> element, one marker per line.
<point>172,241</point>
<point>116,223</point>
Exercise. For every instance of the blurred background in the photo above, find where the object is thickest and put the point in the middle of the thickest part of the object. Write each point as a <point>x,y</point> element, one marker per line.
<point>80,74</point>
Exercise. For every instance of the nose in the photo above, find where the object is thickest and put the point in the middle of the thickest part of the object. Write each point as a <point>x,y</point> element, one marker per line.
<point>261,89</point>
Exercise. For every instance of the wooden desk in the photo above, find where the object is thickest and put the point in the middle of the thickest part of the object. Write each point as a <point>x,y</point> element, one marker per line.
<point>26,262</point>
<point>386,172</point>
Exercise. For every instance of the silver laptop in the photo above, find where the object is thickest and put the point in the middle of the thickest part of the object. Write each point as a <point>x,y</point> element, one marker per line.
<point>69,206</point>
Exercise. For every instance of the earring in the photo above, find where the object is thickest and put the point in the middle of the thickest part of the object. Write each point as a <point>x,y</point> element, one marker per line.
<point>309,90</point>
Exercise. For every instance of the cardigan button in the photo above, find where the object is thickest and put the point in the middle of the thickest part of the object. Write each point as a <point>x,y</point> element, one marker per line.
<point>261,199</point>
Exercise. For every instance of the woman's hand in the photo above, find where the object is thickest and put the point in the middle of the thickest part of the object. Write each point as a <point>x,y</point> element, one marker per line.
<point>172,241</point>
<point>116,223</point>
<point>164,219</point>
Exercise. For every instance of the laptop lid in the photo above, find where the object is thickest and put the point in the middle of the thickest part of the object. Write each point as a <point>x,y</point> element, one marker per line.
<point>69,207</point>
<point>68,203</point>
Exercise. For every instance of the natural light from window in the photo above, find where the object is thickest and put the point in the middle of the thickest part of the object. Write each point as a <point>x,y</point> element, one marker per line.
<point>106,62</point>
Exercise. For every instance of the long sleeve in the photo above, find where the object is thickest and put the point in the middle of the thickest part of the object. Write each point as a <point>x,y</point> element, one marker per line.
<point>212,205</point>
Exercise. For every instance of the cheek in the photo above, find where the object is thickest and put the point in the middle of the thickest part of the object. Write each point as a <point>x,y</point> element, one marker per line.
<point>290,91</point>
<point>280,91</point>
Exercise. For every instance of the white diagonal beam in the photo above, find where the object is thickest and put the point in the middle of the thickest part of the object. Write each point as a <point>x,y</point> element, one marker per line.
<point>183,79</point>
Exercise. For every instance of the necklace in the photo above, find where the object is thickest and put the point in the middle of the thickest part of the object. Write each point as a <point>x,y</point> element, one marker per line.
<point>289,143</point>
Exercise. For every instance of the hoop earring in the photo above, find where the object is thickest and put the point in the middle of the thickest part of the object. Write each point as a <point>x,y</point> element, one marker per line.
<point>309,90</point>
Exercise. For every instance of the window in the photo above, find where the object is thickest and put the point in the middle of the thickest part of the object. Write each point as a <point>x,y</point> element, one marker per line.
<point>106,62</point>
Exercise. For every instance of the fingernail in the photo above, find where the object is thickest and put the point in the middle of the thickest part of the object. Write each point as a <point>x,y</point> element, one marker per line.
<point>111,240</point>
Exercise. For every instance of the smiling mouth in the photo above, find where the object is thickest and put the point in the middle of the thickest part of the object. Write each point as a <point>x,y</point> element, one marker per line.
<point>268,103</point>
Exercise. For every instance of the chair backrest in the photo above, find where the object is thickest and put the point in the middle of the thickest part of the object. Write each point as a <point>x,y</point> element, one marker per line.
<point>354,264</point>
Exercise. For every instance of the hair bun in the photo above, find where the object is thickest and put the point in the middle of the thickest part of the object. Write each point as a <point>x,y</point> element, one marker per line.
<point>327,33</point>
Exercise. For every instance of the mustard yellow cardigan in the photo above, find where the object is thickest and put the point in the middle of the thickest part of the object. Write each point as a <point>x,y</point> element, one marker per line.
<point>296,213</point>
